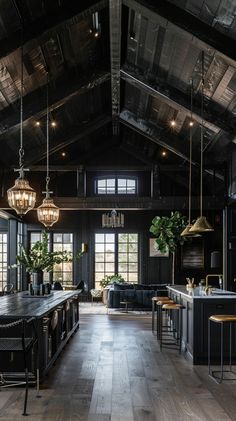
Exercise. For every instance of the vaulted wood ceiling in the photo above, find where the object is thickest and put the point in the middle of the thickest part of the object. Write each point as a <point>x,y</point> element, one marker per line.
<point>120,71</point>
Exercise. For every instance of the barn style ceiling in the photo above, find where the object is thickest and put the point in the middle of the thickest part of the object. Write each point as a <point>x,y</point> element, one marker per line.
<point>120,72</point>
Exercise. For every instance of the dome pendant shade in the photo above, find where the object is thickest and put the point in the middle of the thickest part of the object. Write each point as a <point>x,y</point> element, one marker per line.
<point>187,233</point>
<point>21,197</point>
<point>201,225</point>
<point>48,213</point>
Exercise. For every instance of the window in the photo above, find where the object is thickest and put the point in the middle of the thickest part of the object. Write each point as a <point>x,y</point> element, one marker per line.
<point>3,260</point>
<point>116,253</point>
<point>126,186</point>
<point>63,272</point>
<point>106,186</point>
<point>128,257</point>
<point>116,185</point>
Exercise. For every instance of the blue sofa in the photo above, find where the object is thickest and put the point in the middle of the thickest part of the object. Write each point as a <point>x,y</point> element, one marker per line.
<point>139,295</point>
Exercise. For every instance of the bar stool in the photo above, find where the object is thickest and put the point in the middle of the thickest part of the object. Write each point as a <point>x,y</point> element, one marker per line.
<point>177,326</point>
<point>159,306</point>
<point>154,307</point>
<point>222,319</point>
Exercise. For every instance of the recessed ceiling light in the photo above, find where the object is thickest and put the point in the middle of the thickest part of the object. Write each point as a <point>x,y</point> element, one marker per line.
<point>191,123</point>
<point>63,154</point>
<point>38,123</point>
<point>163,153</point>
<point>53,124</point>
<point>97,34</point>
<point>173,123</point>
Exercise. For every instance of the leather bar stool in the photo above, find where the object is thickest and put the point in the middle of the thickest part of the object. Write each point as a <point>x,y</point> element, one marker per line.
<point>222,320</point>
<point>159,306</point>
<point>176,341</point>
<point>154,307</point>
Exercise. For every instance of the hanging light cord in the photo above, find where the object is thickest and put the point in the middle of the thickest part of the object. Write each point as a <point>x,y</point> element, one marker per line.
<point>47,138</point>
<point>190,154</point>
<point>21,150</point>
<point>201,134</point>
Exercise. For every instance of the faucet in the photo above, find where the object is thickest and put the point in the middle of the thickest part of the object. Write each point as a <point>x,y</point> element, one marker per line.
<point>214,274</point>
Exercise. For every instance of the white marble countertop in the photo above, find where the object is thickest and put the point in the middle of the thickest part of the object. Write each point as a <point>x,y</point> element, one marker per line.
<point>199,293</point>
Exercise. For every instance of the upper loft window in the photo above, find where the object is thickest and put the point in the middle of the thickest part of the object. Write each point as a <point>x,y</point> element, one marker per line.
<point>116,185</point>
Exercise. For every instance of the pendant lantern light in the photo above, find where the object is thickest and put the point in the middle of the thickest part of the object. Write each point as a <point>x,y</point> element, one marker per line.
<point>186,232</point>
<point>201,225</point>
<point>48,212</point>
<point>21,197</point>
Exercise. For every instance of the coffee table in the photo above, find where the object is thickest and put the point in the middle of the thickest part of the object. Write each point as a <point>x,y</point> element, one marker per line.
<point>126,304</point>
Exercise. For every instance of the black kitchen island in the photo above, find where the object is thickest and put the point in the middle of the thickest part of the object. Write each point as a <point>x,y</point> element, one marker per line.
<point>56,319</point>
<point>198,308</point>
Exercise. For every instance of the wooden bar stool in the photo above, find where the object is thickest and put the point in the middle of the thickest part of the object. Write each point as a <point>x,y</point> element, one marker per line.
<point>221,319</point>
<point>159,306</point>
<point>177,328</point>
<point>154,307</point>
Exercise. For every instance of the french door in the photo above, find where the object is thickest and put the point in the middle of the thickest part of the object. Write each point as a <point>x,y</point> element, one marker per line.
<point>116,253</point>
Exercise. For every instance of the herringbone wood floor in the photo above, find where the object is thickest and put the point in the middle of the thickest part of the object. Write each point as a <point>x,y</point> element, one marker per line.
<point>112,369</point>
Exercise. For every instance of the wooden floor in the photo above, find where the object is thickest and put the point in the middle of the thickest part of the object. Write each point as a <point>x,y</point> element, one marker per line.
<point>112,369</point>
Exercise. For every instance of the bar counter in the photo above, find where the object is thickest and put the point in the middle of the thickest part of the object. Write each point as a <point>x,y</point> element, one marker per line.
<point>198,308</point>
<point>56,320</point>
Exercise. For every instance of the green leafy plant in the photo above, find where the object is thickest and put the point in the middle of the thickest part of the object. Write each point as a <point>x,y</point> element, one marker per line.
<point>38,257</point>
<point>111,279</point>
<point>167,230</point>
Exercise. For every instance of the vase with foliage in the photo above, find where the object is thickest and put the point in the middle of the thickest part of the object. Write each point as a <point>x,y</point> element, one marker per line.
<point>167,230</point>
<point>38,258</point>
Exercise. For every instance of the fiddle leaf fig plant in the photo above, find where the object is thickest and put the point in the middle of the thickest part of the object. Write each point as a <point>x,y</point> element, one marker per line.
<point>167,230</point>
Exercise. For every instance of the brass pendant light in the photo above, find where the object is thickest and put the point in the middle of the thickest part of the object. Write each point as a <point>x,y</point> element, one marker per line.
<point>21,197</point>
<point>186,232</point>
<point>48,212</point>
<point>201,225</point>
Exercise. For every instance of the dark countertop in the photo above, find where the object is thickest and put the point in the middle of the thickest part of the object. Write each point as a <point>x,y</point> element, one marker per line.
<point>197,293</point>
<point>17,305</point>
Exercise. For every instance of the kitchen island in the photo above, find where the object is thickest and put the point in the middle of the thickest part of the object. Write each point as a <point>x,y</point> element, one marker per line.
<point>198,308</point>
<point>56,319</point>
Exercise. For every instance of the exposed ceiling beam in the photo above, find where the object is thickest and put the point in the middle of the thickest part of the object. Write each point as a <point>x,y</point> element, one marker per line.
<point>75,168</point>
<point>76,134</point>
<point>192,28</point>
<point>134,203</point>
<point>65,89</point>
<point>179,101</point>
<point>115,50</point>
<point>152,133</point>
<point>60,18</point>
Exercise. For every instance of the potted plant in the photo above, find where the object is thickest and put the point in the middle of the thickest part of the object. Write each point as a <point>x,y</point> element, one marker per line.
<point>167,230</point>
<point>111,279</point>
<point>38,258</point>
